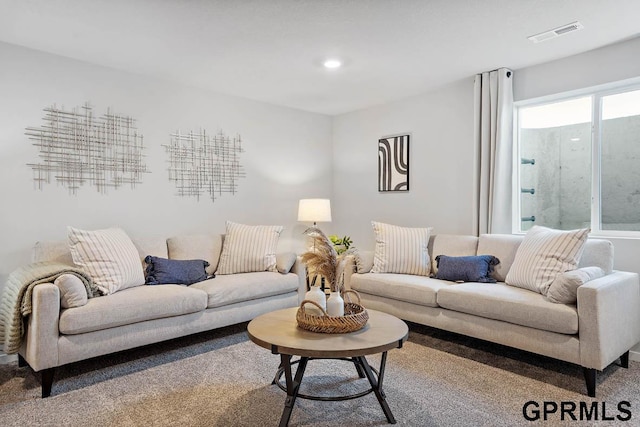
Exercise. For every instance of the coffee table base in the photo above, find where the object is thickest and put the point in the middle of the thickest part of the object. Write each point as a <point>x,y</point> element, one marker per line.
<point>292,388</point>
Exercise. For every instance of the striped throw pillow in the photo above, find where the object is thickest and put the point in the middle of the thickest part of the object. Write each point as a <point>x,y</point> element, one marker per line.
<point>249,248</point>
<point>543,255</point>
<point>108,256</point>
<point>401,249</point>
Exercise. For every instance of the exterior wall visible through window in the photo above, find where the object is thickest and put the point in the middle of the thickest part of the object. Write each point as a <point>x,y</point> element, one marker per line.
<point>578,161</point>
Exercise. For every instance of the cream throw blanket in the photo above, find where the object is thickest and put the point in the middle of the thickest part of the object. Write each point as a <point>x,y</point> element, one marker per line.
<point>15,303</point>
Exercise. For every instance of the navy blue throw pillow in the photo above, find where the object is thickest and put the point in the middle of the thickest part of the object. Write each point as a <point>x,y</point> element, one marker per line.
<point>466,268</point>
<point>162,271</point>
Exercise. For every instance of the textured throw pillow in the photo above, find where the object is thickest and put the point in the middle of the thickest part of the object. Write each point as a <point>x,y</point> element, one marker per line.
<point>401,249</point>
<point>72,291</point>
<point>162,271</point>
<point>466,268</point>
<point>108,256</point>
<point>543,255</point>
<point>249,248</point>
<point>564,289</point>
<point>285,261</point>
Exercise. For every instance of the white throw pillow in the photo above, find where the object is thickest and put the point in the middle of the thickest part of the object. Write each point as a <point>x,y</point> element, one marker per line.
<point>544,254</point>
<point>564,290</point>
<point>72,291</point>
<point>249,248</point>
<point>401,249</point>
<point>108,256</point>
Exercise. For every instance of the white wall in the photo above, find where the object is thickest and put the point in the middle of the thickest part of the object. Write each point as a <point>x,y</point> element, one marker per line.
<point>441,165</point>
<point>612,63</point>
<point>287,156</point>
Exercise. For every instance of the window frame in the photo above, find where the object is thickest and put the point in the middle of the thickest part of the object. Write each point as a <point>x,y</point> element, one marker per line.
<point>596,93</point>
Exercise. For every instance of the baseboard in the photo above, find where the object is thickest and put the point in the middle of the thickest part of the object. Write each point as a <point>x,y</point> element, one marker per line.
<point>634,355</point>
<point>8,358</point>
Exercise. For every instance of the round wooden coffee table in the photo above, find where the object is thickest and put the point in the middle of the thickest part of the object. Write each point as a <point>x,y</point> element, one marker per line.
<point>278,331</point>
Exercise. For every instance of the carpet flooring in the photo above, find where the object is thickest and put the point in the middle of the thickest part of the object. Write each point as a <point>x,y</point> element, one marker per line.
<point>220,378</point>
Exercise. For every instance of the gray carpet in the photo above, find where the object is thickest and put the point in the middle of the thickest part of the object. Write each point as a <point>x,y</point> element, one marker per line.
<point>220,378</point>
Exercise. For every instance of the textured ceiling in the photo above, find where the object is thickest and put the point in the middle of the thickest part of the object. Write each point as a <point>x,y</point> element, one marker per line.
<point>271,50</point>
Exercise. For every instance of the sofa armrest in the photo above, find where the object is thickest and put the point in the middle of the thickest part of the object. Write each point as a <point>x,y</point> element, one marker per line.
<point>40,343</point>
<point>300,269</point>
<point>609,318</point>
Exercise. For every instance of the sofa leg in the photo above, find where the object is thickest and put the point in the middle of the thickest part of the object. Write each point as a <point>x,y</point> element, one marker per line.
<point>47,381</point>
<point>21,362</point>
<point>624,360</point>
<point>590,378</point>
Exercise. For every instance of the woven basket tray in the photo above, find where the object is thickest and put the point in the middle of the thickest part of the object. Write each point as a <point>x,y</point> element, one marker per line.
<point>355,317</point>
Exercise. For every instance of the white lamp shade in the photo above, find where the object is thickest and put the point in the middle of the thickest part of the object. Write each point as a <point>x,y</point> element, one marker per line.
<point>314,210</point>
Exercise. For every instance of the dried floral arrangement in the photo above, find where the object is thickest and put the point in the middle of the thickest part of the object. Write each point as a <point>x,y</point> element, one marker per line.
<point>322,259</point>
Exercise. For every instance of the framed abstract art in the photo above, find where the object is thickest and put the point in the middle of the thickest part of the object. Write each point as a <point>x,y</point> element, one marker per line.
<point>393,163</point>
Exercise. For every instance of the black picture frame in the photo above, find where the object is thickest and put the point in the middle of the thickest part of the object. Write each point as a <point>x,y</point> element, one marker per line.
<point>393,163</point>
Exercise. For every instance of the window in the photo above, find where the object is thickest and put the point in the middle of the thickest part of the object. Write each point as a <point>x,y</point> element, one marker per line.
<point>579,162</point>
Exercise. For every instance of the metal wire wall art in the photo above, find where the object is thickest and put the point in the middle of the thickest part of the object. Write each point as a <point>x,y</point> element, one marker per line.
<point>201,163</point>
<point>77,148</point>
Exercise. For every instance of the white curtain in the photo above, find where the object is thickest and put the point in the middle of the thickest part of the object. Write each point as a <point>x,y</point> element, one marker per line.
<point>493,121</point>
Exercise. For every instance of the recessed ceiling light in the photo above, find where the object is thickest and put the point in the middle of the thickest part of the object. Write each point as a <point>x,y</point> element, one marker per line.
<point>332,63</point>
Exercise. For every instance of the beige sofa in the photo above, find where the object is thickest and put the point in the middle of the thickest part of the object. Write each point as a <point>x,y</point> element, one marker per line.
<point>147,314</point>
<point>601,328</point>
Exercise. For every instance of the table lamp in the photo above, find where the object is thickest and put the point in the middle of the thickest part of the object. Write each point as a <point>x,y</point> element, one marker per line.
<point>314,210</point>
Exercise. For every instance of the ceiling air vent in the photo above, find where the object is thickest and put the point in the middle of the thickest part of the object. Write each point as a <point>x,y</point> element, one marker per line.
<point>556,32</point>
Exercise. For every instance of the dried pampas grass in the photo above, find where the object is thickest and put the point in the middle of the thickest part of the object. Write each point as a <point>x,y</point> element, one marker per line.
<point>323,258</point>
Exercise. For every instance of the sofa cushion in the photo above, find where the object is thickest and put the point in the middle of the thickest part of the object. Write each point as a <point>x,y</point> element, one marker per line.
<point>132,305</point>
<point>233,288</point>
<point>363,261</point>
<point>544,254</point>
<point>59,250</point>
<point>503,247</point>
<point>404,287</point>
<point>155,246</point>
<point>401,249</point>
<point>198,246</point>
<point>249,248</point>
<point>597,253</point>
<point>510,304</point>
<point>108,256</point>
<point>52,251</point>
<point>452,245</point>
